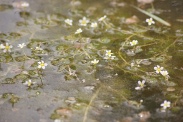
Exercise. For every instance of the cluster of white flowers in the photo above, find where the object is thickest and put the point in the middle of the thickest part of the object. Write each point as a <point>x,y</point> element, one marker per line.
<point>108,55</point>
<point>160,70</point>
<point>41,65</point>
<point>6,48</point>
<point>84,22</point>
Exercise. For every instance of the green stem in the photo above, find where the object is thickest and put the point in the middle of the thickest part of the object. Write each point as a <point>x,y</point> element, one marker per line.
<point>39,74</point>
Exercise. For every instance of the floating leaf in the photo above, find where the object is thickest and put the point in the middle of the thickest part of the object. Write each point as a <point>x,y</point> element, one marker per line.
<point>2,59</point>
<point>14,99</point>
<point>21,58</point>
<point>24,14</point>
<point>54,116</point>
<point>8,81</point>
<point>22,76</point>
<point>32,72</point>
<point>4,7</point>
<point>14,34</point>
<point>20,23</point>
<point>9,58</point>
<point>5,95</point>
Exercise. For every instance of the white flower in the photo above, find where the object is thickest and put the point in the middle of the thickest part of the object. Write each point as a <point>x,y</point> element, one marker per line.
<point>2,46</point>
<point>57,120</point>
<point>39,48</point>
<point>150,21</point>
<point>166,104</point>
<point>108,53</point>
<point>158,69</point>
<point>134,42</point>
<point>72,72</point>
<point>21,45</point>
<point>164,73</point>
<point>109,57</point>
<point>42,65</point>
<point>21,4</point>
<point>112,57</point>
<point>94,25</point>
<point>132,64</point>
<point>24,4</point>
<point>140,85</point>
<point>95,61</point>
<point>106,57</point>
<point>7,48</point>
<point>102,18</point>
<point>69,22</point>
<point>29,83</point>
<point>78,31</point>
<point>84,21</point>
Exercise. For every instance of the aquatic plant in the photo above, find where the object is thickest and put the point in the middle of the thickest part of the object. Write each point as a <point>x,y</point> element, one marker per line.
<point>112,63</point>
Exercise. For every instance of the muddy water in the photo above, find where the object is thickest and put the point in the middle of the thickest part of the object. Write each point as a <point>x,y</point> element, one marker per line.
<point>71,88</point>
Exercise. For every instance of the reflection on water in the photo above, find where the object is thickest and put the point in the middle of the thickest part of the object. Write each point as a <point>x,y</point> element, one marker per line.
<point>91,61</point>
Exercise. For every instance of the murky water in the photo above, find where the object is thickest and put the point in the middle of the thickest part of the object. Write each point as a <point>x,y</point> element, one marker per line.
<point>91,61</point>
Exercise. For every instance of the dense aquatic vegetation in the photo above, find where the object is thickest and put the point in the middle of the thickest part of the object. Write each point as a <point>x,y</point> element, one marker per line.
<point>117,59</point>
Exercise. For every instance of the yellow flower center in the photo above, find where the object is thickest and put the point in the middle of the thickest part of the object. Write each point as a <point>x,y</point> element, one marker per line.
<point>150,21</point>
<point>158,69</point>
<point>7,47</point>
<point>29,84</point>
<point>83,22</point>
<point>141,85</point>
<point>166,104</point>
<point>42,64</point>
<point>109,53</point>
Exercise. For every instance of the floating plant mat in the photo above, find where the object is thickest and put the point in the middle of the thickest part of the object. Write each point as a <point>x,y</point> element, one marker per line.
<point>91,61</point>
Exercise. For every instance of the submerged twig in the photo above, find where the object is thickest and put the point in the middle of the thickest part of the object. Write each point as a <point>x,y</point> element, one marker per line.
<point>88,106</point>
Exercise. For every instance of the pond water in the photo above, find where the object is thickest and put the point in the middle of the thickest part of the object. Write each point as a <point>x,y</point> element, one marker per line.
<point>91,61</point>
